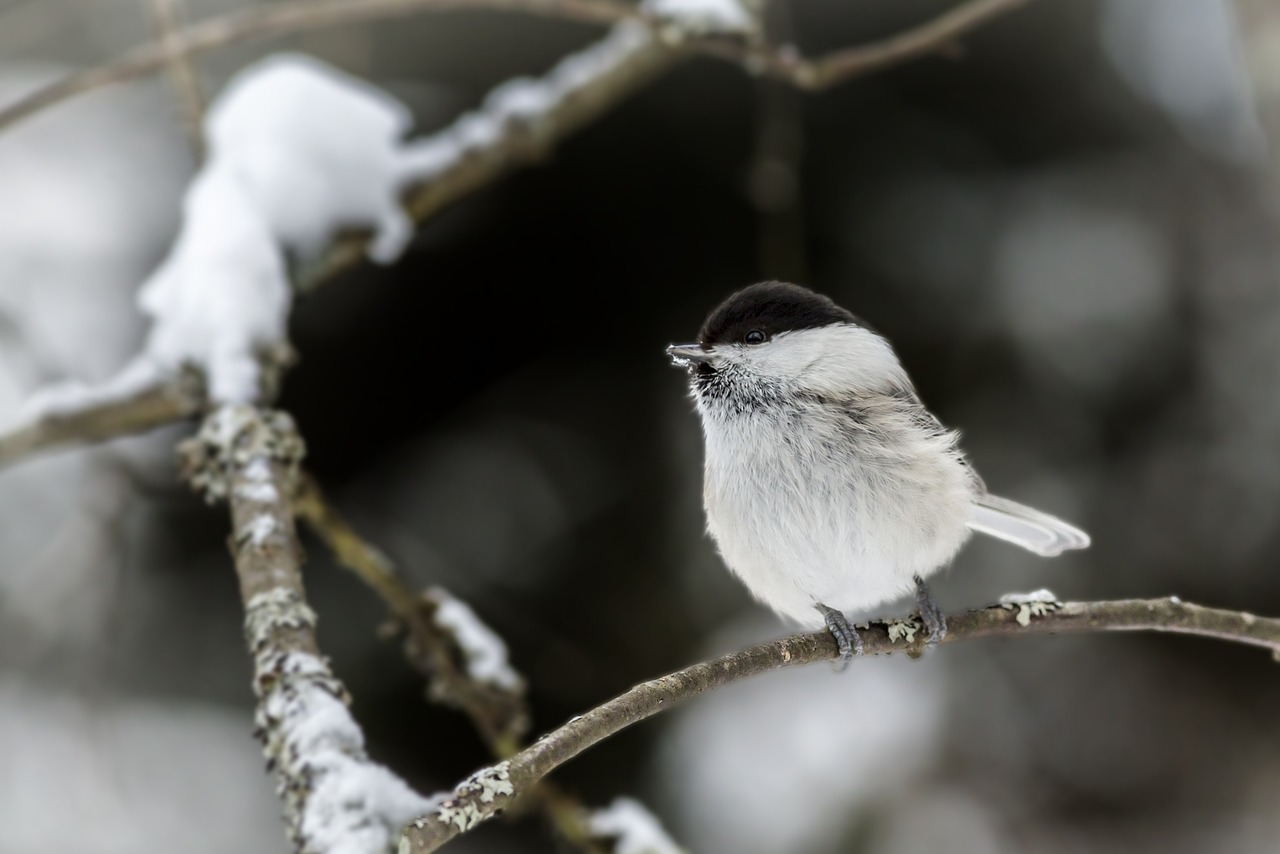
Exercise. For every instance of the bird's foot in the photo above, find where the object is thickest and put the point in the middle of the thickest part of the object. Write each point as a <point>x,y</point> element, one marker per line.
<point>930,614</point>
<point>847,638</point>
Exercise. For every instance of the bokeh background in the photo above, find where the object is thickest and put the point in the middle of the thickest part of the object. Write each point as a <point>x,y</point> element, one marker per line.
<point>1069,232</point>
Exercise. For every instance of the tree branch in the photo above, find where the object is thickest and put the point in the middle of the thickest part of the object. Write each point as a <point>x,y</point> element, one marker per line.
<point>490,790</point>
<point>335,799</point>
<point>103,415</point>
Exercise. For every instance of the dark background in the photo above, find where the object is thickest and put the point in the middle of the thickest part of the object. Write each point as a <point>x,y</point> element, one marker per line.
<point>1068,233</point>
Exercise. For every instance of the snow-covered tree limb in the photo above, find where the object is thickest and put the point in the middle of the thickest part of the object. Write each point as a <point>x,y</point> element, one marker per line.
<point>336,801</point>
<point>493,789</point>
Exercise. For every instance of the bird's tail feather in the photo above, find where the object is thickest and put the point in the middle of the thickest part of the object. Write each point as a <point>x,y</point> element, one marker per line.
<point>1018,524</point>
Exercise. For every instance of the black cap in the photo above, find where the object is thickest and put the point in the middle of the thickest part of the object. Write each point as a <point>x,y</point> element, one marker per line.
<point>770,308</point>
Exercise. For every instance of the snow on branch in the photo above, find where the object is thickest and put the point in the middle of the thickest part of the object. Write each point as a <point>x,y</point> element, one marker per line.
<point>493,789</point>
<point>336,801</point>
<point>517,124</point>
<point>465,660</point>
<point>277,181</point>
<point>484,652</point>
<point>633,828</point>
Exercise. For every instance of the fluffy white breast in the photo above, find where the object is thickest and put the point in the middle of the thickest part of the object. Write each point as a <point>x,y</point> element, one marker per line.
<point>828,487</point>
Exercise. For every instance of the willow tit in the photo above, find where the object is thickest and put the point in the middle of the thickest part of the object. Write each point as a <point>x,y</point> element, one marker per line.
<point>829,487</point>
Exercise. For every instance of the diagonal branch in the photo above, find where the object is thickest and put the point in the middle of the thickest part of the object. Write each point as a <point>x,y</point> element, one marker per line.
<point>490,790</point>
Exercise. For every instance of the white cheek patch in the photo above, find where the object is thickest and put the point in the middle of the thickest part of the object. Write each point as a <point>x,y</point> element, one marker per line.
<point>829,360</point>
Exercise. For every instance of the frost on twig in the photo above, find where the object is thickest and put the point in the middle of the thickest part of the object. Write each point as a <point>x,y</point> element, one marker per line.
<point>633,829</point>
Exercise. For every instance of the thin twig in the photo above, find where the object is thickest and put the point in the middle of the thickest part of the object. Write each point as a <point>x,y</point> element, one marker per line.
<point>165,18</point>
<point>493,789</point>
<point>841,66</point>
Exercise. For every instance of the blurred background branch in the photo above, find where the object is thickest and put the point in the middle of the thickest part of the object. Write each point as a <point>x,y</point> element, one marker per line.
<point>166,17</point>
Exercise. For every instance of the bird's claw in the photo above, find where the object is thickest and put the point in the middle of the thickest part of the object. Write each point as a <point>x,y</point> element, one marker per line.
<point>848,641</point>
<point>930,614</point>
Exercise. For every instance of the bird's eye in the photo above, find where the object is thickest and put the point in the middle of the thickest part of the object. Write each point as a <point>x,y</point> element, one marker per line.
<point>755,336</point>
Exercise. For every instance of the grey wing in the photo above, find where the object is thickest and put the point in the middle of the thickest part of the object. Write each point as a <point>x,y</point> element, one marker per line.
<point>1001,518</point>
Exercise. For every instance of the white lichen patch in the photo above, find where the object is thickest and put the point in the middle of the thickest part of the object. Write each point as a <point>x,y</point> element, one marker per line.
<point>258,530</point>
<point>1037,603</point>
<point>483,649</point>
<point>463,809</point>
<point>633,828</point>
<point>272,611</point>
<point>237,445</point>
<point>903,630</point>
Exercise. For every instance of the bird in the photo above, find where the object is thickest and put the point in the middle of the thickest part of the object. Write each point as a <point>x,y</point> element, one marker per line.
<point>828,486</point>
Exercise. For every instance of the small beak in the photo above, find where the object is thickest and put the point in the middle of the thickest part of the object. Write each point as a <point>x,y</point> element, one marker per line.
<point>687,355</point>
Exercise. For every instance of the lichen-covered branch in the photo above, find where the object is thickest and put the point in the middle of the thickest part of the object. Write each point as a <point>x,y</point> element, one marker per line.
<point>335,799</point>
<point>490,790</point>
